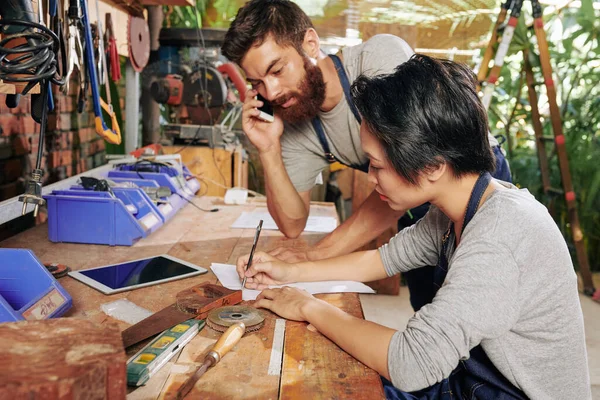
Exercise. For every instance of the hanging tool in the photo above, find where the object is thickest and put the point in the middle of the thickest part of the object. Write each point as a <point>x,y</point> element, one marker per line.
<point>27,58</point>
<point>222,318</point>
<point>195,302</point>
<point>225,343</point>
<point>555,118</point>
<point>76,54</point>
<point>36,101</point>
<point>27,49</point>
<point>57,26</point>
<point>138,42</point>
<point>102,69</point>
<point>111,53</point>
<point>110,135</point>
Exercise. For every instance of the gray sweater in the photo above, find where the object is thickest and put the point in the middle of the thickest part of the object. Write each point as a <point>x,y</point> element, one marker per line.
<point>510,287</point>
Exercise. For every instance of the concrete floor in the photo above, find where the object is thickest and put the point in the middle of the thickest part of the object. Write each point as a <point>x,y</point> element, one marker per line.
<point>395,311</point>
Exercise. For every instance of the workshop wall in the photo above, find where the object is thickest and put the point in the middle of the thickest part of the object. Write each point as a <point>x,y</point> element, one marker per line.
<point>71,145</point>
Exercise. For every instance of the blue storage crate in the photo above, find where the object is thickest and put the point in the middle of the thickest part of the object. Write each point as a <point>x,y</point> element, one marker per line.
<point>85,216</point>
<point>172,204</point>
<point>135,199</point>
<point>162,179</point>
<point>27,289</point>
<point>184,186</point>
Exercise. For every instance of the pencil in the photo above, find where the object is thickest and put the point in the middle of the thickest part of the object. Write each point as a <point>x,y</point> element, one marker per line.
<point>256,236</point>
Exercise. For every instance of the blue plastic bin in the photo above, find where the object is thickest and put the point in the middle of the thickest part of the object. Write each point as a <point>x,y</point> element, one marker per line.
<point>85,216</point>
<point>173,203</point>
<point>27,289</point>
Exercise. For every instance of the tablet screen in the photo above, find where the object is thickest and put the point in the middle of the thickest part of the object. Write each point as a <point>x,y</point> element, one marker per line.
<point>138,272</point>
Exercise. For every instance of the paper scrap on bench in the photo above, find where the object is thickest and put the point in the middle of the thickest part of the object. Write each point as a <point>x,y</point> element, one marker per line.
<point>229,278</point>
<point>249,220</point>
<point>125,310</point>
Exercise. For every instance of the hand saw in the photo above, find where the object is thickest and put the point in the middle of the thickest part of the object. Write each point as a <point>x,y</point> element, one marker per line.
<point>195,302</point>
<point>110,135</point>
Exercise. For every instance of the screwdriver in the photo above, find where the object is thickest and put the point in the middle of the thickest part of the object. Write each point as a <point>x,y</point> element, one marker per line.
<point>225,343</point>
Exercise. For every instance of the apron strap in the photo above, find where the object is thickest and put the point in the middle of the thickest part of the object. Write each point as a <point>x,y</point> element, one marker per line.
<point>441,269</point>
<point>318,125</point>
<point>339,67</point>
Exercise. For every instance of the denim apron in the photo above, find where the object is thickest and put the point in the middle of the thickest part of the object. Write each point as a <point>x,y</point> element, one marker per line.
<point>318,125</point>
<point>476,377</point>
<point>419,280</point>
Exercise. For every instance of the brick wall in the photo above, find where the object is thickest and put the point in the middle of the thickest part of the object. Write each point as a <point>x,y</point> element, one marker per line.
<point>71,145</point>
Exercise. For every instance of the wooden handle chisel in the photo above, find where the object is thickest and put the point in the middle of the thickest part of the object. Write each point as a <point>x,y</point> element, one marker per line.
<point>225,343</point>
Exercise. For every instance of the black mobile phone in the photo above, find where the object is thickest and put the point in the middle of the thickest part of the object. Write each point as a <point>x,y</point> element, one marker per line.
<point>266,111</point>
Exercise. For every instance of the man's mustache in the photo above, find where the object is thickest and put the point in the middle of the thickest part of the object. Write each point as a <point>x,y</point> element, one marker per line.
<point>281,100</point>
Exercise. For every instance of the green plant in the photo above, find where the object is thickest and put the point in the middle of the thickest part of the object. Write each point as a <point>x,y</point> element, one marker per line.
<point>185,17</point>
<point>573,37</point>
<point>206,14</point>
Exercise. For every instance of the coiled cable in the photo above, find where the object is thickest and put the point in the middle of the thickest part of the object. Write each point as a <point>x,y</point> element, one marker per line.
<point>34,60</point>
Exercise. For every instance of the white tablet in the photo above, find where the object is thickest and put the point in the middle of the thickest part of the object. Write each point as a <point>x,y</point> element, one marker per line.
<point>136,274</point>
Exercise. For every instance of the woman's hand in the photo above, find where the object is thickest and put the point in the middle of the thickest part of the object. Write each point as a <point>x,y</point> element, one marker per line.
<point>265,270</point>
<point>289,303</point>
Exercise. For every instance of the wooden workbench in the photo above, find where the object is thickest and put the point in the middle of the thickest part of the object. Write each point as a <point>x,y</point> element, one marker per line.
<point>313,367</point>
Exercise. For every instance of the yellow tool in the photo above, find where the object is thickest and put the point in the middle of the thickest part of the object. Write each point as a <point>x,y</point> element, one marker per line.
<point>223,345</point>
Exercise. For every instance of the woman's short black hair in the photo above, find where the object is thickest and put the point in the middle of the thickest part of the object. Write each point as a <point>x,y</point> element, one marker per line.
<point>283,19</point>
<point>425,113</point>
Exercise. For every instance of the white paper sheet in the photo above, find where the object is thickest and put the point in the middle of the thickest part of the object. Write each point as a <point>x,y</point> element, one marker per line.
<point>249,220</point>
<point>229,278</point>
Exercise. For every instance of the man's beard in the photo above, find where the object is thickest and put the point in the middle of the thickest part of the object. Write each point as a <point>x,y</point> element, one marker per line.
<point>309,97</point>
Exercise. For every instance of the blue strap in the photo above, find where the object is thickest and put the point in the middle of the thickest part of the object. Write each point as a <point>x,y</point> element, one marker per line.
<point>318,125</point>
<point>339,67</point>
<point>441,269</point>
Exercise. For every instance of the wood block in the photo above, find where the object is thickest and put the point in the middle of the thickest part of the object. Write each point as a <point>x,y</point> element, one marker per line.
<point>217,169</point>
<point>62,358</point>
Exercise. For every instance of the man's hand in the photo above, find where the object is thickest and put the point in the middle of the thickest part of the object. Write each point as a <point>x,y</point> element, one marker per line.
<point>264,136</point>
<point>265,270</point>
<point>289,303</point>
<point>290,254</point>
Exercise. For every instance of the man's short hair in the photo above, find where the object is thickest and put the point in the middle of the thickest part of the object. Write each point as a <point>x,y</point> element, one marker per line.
<point>258,19</point>
<point>425,113</point>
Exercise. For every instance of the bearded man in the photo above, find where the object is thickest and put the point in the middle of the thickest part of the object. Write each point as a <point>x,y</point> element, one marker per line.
<point>276,45</point>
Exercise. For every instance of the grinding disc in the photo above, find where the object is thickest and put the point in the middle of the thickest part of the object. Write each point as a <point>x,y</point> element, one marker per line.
<point>138,42</point>
<point>222,318</point>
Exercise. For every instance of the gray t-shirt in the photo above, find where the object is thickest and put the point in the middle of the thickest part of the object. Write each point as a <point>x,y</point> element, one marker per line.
<point>302,153</point>
<point>510,287</point>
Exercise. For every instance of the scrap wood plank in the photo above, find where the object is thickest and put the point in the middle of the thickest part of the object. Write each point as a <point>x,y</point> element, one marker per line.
<point>314,367</point>
<point>63,358</point>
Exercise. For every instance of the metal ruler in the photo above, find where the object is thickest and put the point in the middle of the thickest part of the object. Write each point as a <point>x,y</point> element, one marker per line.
<point>277,349</point>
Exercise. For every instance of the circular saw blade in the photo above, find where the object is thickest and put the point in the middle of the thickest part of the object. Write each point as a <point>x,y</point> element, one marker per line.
<point>138,42</point>
<point>222,318</point>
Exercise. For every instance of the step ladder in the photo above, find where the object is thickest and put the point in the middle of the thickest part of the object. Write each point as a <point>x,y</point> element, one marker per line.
<point>514,8</point>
